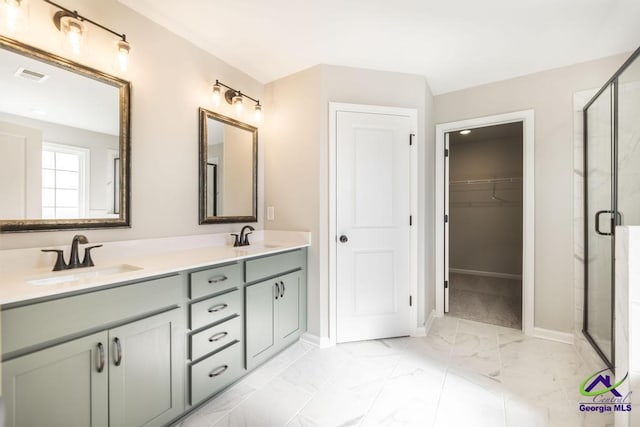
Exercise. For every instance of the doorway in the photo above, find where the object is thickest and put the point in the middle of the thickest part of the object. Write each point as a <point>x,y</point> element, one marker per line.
<point>484,224</point>
<point>373,222</point>
<point>526,118</point>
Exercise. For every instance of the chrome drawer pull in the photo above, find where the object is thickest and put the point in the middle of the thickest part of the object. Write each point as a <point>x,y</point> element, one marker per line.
<point>218,279</point>
<point>101,357</point>
<point>218,307</point>
<point>219,370</point>
<point>218,336</point>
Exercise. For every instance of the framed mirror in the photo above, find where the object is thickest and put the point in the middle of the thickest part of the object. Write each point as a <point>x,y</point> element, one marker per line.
<point>64,143</point>
<point>228,170</point>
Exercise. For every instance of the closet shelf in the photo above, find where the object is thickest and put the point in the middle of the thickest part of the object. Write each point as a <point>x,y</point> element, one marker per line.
<point>485,181</point>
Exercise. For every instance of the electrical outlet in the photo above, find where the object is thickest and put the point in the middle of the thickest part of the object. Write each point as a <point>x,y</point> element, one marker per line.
<point>271,215</point>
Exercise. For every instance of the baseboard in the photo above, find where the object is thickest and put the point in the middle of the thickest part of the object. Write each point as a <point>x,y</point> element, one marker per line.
<point>429,322</point>
<point>486,273</point>
<point>548,334</point>
<point>316,341</point>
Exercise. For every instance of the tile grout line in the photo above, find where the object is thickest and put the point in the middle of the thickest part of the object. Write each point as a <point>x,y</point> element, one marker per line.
<point>446,374</point>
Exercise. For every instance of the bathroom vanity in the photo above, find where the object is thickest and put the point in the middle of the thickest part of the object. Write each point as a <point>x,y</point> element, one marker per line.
<point>145,345</point>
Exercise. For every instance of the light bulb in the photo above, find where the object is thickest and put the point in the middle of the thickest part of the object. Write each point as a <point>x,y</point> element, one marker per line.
<point>16,15</point>
<point>258,112</point>
<point>216,94</point>
<point>123,50</point>
<point>236,101</point>
<point>73,31</point>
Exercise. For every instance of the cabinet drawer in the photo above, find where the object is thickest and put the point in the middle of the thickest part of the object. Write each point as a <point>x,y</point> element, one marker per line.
<point>215,337</point>
<point>215,309</point>
<point>256,269</point>
<point>213,373</point>
<point>213,280</point>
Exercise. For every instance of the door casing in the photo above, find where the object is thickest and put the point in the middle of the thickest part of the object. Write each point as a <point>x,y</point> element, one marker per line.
<point>528,241</point>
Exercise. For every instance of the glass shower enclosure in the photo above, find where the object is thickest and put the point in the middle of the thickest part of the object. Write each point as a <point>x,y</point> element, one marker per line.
<point>611,194</point>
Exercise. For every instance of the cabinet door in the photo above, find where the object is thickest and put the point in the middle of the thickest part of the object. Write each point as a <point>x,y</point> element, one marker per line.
<point>62,386</point>
<point>145,374</point>
<point>289,306</point>
<point>260,316</point>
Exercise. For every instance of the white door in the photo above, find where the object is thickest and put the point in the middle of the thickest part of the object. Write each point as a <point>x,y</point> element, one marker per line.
<point>373,180</point>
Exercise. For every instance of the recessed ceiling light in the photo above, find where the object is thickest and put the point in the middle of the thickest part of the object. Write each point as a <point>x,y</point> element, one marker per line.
<point>465,132</point>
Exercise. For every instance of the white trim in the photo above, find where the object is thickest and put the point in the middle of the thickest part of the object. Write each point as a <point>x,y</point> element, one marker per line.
<point>486,273</point>
<point>429,322</point>
<point>412,113</point>
<point>315,340</point>
<point>548,334</point>
<point>528,277</point>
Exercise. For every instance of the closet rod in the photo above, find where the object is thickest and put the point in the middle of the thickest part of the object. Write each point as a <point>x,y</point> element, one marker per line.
<point>485,181</point>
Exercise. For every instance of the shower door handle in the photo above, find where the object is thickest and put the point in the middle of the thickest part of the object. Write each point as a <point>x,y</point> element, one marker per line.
<point>610,233</point>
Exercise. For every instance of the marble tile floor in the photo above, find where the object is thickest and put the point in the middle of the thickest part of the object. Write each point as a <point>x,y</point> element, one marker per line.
<point>486,299</point>
<point>463,373</point>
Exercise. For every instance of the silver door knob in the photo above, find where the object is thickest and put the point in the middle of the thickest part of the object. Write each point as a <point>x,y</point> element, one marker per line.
<point>343,239</point>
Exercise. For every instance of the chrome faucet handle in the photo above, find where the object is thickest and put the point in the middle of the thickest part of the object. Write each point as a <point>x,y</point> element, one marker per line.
<point>87,261</point>
<point>236,240</point>
<point>60,264</point>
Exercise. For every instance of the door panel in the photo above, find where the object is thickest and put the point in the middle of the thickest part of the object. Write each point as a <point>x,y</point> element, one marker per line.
<point>289,305</point>
<point>59,386</point>
<point>598,221</point>
<point>373,207</point>
<point>142,386</point>
<point>259,315</point>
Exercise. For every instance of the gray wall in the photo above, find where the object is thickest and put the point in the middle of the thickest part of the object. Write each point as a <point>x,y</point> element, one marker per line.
<point>550,94</point>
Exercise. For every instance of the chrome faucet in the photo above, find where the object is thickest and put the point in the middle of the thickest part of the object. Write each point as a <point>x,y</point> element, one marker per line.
<point>74,261</point>
<point>243,238</point>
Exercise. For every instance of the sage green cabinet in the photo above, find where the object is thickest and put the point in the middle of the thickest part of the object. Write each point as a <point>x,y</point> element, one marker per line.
<point>124,377</point>
<point>275,315</point>
<point>62,386</point>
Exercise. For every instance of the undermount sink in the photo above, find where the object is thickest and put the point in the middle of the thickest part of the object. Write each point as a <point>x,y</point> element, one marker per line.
<point>80,274</point>
<point>259,246</point>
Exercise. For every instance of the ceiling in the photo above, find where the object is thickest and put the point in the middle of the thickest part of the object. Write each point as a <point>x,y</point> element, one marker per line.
<point>454,43</point>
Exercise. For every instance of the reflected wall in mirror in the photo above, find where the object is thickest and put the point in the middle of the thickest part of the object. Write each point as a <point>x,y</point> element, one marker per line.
<point>64,143</point>
<point>228,169</point>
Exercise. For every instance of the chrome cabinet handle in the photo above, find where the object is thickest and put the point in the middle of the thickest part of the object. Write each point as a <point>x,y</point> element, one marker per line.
<point>218,279</point>
<point>118,358</point>
<point>218,307</point>
<point>218,336</point>
<point>277,290</point>
<point>100,367</point>
<point>219,370</point>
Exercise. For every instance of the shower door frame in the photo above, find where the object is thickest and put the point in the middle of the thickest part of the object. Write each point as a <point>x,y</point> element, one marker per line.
<point>613,84</point>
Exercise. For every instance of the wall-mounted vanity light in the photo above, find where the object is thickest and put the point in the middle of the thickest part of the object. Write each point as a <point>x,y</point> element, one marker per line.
<point>74,30</point>
<point>235,98</point>
<point>15,15</point>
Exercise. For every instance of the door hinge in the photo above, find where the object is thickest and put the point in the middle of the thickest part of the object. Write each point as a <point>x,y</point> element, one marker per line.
<point>446,218</point>
<point>410,220</point>
<point>411,135</point>
<point>446,284</point>
<point>410,301</point>
<point>446,152</point>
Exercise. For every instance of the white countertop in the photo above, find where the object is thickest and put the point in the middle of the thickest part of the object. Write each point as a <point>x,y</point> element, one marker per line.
<point>137,260</point>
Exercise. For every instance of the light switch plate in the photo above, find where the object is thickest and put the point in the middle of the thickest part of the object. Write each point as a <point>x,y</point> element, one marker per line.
<point>271,215</point>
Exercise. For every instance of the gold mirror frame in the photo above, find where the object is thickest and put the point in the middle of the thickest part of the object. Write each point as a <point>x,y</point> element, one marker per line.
<point>124,87</point>
<point>204,219</point>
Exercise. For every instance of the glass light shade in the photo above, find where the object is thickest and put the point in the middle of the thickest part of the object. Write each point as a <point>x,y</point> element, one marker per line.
<point>16,15</point>
<point>123,50</point>
<point>73,32</point>
<point>216,95</point>
<point>258,112</point>
<point>236,101</point>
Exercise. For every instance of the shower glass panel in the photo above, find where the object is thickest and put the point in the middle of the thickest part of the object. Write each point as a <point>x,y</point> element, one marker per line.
<point>612,194</point>
<point>598,222</point>
<point>629,144</point>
